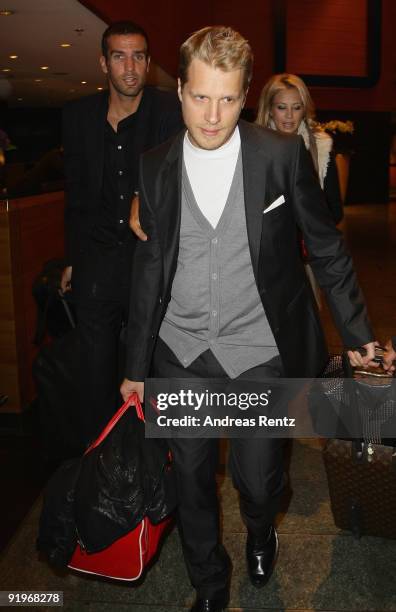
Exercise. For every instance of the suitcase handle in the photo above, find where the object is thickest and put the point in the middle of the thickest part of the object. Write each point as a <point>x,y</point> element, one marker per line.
<point>133,400</point>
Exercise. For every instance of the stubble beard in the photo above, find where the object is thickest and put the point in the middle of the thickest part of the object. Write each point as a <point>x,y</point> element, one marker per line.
<point>124,90</point>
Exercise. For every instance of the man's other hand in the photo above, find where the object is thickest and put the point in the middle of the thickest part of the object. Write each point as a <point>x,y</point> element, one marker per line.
<point>357,360</point>
<point>66,279</point>
<point>134,221</point>
<point>130,386</point>
<point>389,357</point>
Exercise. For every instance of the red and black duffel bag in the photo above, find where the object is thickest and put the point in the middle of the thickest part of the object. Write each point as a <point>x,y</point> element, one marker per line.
<point>126,557</point>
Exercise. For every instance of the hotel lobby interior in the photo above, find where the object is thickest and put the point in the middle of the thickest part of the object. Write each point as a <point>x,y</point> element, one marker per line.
<point>345,52</point>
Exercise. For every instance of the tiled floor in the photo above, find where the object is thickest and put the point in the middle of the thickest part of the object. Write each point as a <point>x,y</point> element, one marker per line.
<point>23,473</point>
<point>319,568</point>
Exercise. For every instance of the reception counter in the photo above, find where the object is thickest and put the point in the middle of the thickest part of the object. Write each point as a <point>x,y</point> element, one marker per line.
<point>31,233</point>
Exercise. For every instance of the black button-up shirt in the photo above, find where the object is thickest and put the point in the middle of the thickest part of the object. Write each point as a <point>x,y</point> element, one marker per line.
<point>119,183</point>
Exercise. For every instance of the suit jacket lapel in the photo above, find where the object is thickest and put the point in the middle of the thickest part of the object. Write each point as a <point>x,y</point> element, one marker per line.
<point>254,183</point>
<point>142,128</point>
<point>169,204</point>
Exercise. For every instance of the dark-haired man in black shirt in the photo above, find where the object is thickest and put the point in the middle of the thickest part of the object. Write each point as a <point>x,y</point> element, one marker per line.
<point>104,135</point>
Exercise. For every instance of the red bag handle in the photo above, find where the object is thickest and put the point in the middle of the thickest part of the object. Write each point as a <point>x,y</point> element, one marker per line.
<point>133,400</point>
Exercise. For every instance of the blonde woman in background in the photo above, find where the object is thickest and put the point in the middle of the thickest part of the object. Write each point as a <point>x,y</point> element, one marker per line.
<point>285,104</point>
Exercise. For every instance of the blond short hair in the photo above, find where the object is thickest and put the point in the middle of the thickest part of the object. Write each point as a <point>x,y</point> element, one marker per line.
<point>280,82</point>
<point>220,47</point>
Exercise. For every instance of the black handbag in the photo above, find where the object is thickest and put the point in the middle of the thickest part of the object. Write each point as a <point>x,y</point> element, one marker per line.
<point>349,403</point>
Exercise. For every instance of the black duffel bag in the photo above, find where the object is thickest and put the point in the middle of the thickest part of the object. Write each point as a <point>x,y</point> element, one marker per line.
<point>123,478</point>
<point>102,496</point>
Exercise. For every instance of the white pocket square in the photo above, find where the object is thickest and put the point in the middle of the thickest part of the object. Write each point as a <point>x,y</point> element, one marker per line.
<point>274,204</point>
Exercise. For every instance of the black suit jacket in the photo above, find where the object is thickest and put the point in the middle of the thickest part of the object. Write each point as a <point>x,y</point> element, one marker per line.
<point>274,164</point>
<point>84,123</point>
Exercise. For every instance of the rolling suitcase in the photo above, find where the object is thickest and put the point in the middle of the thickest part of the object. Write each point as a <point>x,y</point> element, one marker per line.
<point>55,310</point>
<point>56,370</point>
<point>361,472</point>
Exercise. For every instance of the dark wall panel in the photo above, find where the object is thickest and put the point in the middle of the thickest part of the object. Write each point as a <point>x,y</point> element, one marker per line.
<point>381,97</point>
<point>327,38</point>
<point>169,23</point>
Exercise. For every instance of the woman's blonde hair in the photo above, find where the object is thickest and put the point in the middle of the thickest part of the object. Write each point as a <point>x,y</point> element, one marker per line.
<point>280,82</point>
<point>220,47</point>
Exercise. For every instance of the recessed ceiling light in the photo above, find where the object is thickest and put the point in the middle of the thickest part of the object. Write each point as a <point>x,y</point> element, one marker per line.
<point>44,67</point>
<point>38,80</point>
<point>83,82</point>
<point>65,45</point>
<point>13,56</point>
<point>6,12</point>
<point>20,99</point>
<point>99,88</point>
<point>6,70</point>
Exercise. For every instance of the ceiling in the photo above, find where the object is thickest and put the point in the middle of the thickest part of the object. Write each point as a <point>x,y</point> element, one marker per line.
<point>34,33</point>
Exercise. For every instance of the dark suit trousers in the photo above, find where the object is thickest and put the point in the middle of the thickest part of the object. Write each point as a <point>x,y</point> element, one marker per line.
<point>257,471</point>
<point>101,299</point>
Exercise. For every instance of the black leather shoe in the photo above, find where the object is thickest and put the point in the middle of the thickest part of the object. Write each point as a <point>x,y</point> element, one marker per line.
<point>209,605</point>
<point>261,558</point>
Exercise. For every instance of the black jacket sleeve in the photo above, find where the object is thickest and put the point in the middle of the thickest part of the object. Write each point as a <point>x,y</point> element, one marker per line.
<point>146,302</point>
<point>332,192</point>
<point>74,181</point>
<point>328,256</point>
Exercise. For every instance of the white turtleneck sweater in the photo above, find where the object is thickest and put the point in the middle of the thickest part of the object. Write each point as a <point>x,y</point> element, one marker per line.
<point>210,173</point>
